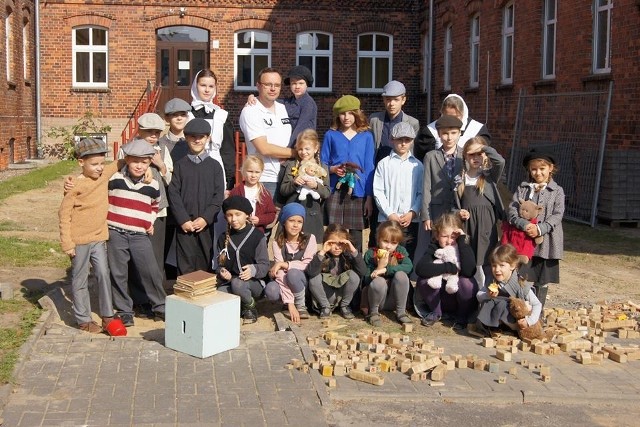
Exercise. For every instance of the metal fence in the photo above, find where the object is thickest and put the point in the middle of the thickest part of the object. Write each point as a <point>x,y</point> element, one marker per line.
<point>572,126</point>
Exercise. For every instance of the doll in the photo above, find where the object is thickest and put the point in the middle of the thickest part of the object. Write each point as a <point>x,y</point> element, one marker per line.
<point>349,177</point>
<point>310,170</point>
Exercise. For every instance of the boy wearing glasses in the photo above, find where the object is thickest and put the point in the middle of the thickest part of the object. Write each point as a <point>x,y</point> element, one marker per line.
<point>396,200</point>
<point>267,128</point>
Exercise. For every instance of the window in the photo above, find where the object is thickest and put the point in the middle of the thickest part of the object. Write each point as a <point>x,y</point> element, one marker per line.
<point>448,51</point>
<point>474,49</point>
<point>549,40</point>
<point>374,61</point>
<point>602,36</point>
<point>507,44</point>
<point>26,50</point>
<point>90,57</point>
<point>315,51</point>
<point>252,54</point>
<point>8,43</point>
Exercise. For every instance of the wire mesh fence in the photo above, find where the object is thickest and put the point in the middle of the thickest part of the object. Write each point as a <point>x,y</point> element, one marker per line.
<point>572,126</point>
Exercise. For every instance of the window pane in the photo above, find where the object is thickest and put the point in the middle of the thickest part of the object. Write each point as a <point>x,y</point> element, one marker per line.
<point>261,41</point>
<point>601,48</point>
<point>323,41</point>
<point>550,51</point>
<point>183,76</point>
<point>382,72</point>
<point>197,60</point>
<point>305,41</point>
<point>365,72</point>
<point>244,40</point>
<point>509,17</point>
<point>82,67</point>
<point>244,70</point>
<point>322,72</point>
<point>82,37</point>
<point>307,61</point>
<point>99,37</point>
<point>382,44</point>
<point>603,2</point>
<point>182,33</point>
<point>507,57</point>
<point>164,67</point>
<point>551,10</point>
<point>366,42</point>
<point>260,62</point>
<point>99,67</point>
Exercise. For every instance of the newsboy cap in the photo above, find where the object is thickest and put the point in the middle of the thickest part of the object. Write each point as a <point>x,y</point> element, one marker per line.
<point>301,72</point>
<point>393,88</point>
<point>403,130</point>
<point>197,127</point>
<point>138,148</point>
<point>151,121</point>
<point>447,121</point>
<point>538,153</point>
<point>88,146</point>
<point>176,105</point>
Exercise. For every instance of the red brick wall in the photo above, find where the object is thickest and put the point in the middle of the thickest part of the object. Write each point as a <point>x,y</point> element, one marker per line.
<point>132,56</point>
<point>17,108</point>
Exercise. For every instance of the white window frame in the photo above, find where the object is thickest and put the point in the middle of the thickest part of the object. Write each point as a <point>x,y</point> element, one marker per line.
<point>252,52</point>
<point>474,52</point>
<point>91,49</point>
<point>315,53</point>
<point>26,48</point>
<point>374,54</point>
<point>448,56</point>
<point>8,33</point>
<point>598,49</point>
<point>508,29</point>
<point>549,41</point>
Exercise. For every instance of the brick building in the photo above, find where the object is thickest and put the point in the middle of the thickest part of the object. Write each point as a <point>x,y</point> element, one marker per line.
<point>17,83</point>
<point>99,56</point>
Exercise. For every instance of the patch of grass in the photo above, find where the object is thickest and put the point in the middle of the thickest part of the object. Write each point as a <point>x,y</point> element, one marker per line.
<point>13,336</point>
<point>600,240</point>
<point>38,178</point>
<point>16,252</point>
<point>11,226</point>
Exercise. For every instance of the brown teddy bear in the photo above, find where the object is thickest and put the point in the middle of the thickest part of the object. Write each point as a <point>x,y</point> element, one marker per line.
<point>524,244</point>
<point>520,309</point>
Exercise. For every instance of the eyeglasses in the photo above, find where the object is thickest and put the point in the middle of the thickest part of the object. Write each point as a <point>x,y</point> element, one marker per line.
<point>271,85</point>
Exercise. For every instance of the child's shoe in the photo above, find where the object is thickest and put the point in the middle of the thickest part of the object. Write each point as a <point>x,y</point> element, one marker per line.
<point>374,320</point>
<point>250,312</point>
<point>429,320</point>
<point>346,312</point>
<point>127,319</point>
<point>91,327</point>
<point>325,313</point>
<point>303,312</point>
<point>403,318</point>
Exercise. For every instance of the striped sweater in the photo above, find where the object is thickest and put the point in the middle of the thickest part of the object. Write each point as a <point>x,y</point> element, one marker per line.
<point>132,206</point>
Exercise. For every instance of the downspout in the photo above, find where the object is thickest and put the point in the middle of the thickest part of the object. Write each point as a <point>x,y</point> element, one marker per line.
<point>429,60</point>
<point>37,53</point>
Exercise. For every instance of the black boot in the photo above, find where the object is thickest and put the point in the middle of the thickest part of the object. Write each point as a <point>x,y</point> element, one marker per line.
<point>250,312</point>
<point>541,293</point>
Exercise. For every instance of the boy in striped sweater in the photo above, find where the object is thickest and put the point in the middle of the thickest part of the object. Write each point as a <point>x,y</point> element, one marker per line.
<point>133,206</point>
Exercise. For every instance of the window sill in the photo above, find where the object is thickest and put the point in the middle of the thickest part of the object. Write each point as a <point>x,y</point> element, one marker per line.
<point>471,89</point>
<point>11,85</point>
<point>597,77</point>
<point>504,87</point>
<point>90,89</point>
<point>545,83</point>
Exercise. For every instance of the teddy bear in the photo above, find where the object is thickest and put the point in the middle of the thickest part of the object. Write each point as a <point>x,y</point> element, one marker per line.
<point>310,170</point>
<point>349,177</point>
<point>446,254</point>
<point>524,244</point>
<point>519,309</point>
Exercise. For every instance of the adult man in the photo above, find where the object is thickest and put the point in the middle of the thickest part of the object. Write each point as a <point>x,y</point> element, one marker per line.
<point>266,127</point>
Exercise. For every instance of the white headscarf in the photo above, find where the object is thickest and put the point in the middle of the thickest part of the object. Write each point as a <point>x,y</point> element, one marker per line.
<point>196,102</point>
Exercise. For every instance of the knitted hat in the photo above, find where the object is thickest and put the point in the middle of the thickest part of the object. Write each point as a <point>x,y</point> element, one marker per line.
<point>538,153</point>
<point>88,146</point>
<point>237,203</point>
<point>393,88</point>
<point>301,72</point>
<point>291,209</point>
<point>403,130</point>
<point>197,127</point>
<point>446,121</point>
<point>346,103</point>
<point>151,121</point>
<point>176,105</point>
<point>138,148</point>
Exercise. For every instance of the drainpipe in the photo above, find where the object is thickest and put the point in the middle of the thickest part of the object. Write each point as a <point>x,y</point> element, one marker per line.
<point>429,60</point>
<point>38,111</point>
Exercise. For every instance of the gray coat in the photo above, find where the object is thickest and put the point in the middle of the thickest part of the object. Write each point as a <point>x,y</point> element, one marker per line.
<point>376,120</point>
<point>549,219</point>
<point>438,195</point>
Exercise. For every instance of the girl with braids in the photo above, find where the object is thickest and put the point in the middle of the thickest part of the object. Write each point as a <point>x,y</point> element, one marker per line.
<point>291,180</point>
<point>292,252</point>
<point>334,272</point>
<point>478,200</point>
<point>264,212</point>
<point>387,282</point>
<point>244,259</point>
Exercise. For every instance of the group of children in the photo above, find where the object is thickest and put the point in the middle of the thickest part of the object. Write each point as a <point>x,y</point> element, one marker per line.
<point>319,262</point>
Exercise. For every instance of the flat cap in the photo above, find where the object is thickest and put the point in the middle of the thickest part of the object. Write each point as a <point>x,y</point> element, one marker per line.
<point>446,121</point>
<point>393,88</point>
<point>138,148</point>
<point>403,130</point>
<point>538,153</point>
<point>88,146</point>
<point>151,121</point>
<point>197,127</point>
<point>346,103</point>
<point>301,72</point>
<point>176,105</point>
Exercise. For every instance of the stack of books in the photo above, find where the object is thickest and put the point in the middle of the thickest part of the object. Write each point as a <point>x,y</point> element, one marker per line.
<point>195,284</point>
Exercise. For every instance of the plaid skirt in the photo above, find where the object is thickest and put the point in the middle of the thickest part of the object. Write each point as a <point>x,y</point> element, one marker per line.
<point>345,210</point>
